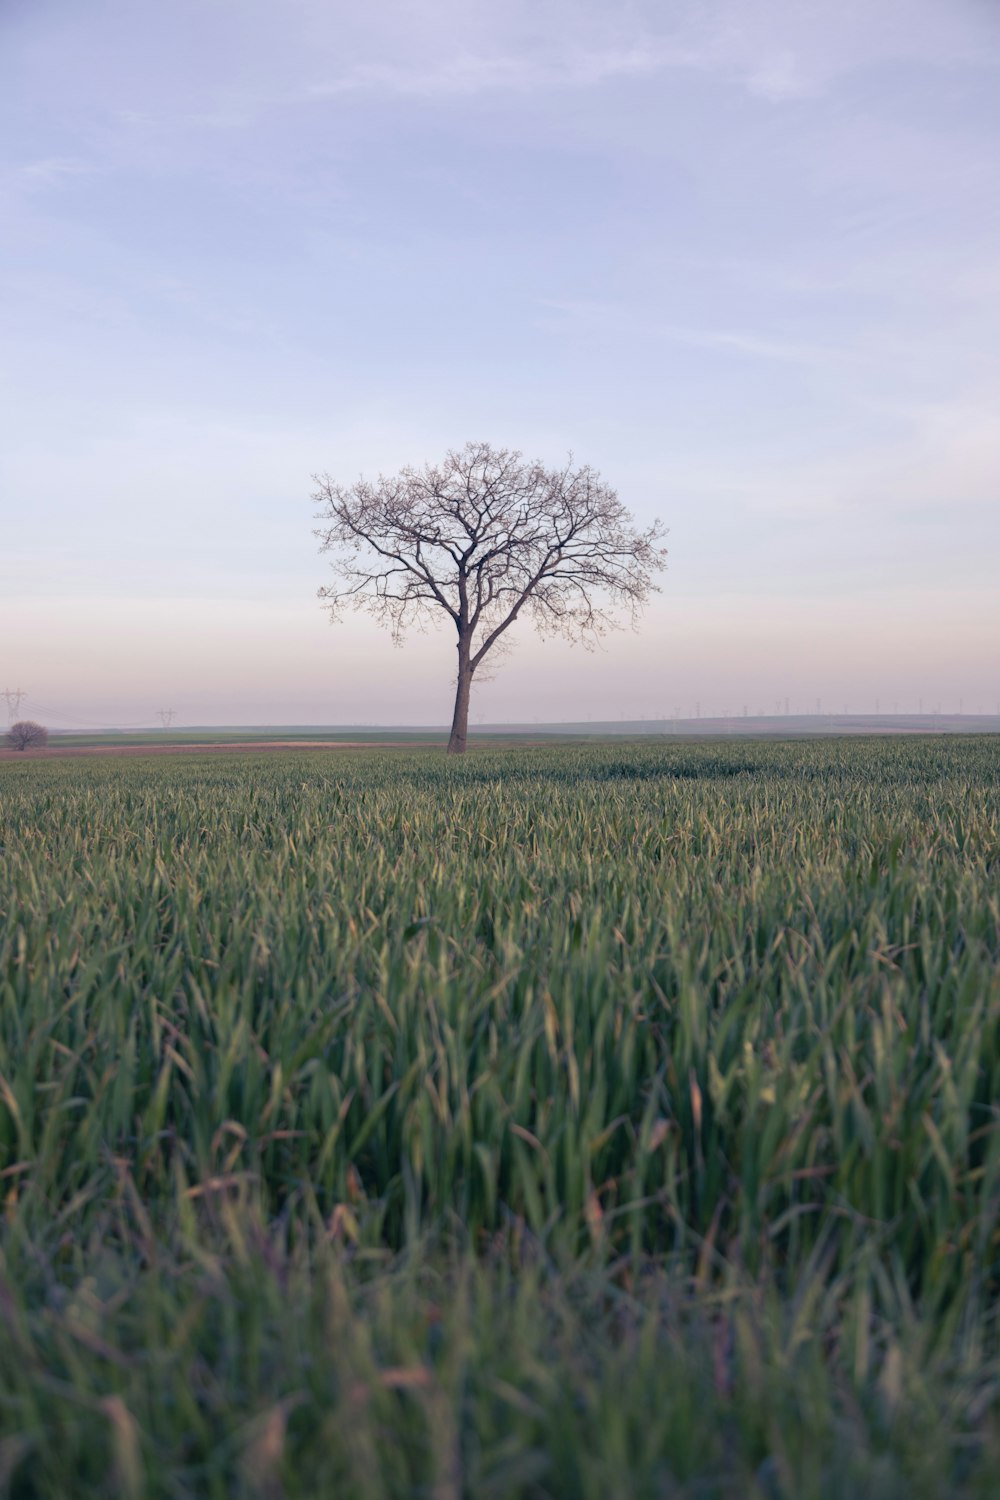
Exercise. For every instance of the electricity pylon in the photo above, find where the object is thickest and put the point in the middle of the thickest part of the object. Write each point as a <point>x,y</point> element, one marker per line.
<point>166,716</point>
<point>14,697</point>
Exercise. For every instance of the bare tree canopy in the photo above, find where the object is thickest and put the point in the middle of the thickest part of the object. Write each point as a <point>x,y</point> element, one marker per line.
<point>26,735</point>
<point>486,537</point>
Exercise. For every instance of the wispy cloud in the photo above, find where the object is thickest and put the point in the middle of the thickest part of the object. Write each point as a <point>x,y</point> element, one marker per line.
<point>777,50</point>
<point>778,78</point>
<point>52,171</point>
<point>942,466</point>
<point>610,318</point>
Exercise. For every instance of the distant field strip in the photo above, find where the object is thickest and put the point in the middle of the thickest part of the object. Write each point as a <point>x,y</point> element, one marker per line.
<point>599,1120</point>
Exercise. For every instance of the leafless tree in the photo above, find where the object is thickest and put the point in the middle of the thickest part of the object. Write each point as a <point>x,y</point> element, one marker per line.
<point>26,735</point>
<point>486,536</point>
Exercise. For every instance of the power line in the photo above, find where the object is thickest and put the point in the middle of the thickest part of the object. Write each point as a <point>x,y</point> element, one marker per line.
<point>76,723</point>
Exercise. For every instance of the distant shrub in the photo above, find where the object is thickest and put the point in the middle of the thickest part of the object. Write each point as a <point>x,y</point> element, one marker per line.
<point>27,735</point>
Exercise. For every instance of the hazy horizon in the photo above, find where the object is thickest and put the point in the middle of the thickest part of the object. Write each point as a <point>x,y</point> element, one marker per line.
<point>741,257</point>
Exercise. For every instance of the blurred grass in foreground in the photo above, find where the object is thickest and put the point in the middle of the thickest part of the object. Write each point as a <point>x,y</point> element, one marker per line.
<point>580,1121</point>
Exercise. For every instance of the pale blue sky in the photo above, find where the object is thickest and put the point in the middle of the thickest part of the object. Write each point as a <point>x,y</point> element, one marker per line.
<point>743,257</point>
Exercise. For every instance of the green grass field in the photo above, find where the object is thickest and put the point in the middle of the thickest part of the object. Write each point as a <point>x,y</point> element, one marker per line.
<point>582,1121</point>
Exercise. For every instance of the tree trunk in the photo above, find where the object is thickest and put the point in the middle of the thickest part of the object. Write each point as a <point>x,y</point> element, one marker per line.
<point>459,737</point>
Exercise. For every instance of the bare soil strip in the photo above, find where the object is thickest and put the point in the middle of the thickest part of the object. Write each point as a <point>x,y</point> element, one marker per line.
<point>52,752</point>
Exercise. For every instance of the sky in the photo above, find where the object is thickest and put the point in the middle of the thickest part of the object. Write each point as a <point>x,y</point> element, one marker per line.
<point>741,256</point>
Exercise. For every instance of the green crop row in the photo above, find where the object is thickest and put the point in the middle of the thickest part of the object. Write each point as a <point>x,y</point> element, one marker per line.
<point>581,1120</point>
